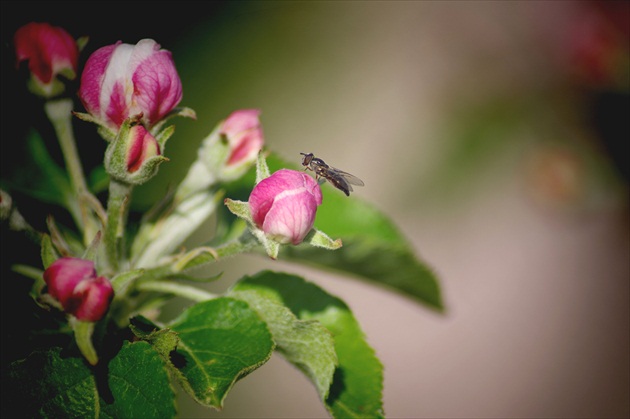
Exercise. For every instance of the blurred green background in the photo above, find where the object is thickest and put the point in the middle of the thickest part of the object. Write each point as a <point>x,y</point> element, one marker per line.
<point>493,133</point>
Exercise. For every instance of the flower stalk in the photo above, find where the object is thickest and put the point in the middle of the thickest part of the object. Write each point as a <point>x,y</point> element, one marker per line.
<point>169,287</point>
<point>119,196</point>
<point>59,112</point>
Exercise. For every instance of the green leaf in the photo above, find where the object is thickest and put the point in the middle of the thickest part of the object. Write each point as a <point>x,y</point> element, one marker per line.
<point>221,341</point>
<point>373,246</point>
<point>305,343</point>
<point>42,178</point>
<point>139,384</point>
<point>357,385</point>
<point>50,384</point>
<point>164,341</point>
<point>98,179</point>
<point>47,385</point>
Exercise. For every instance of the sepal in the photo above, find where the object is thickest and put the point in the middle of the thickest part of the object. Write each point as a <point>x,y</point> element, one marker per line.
<point>183,111</point>
<point>103,130</point>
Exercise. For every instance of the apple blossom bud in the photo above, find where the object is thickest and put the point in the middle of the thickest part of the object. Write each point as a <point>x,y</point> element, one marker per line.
<point>50,51</point>
<point>284,205</point>
<point>90,299</point>
<point>122,80</point>
<point>226,154</point>
<point>73,282</point>
<point>142,146</point>
<point>134,155</point>
<point>244,134</point>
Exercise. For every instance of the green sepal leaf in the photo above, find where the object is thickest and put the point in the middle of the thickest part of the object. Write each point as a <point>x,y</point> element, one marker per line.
<point>48,252</point>
<point>262,170</point>
<point>83,336</point>
<point>163,136</point>
<point>179,111</point>
<point>105,132</point>
<point>239,208</point>
<point>307,344</point>
<point>320,239</point>
<point>221,341</point>
<point>357,386</point>
<point>92,249</point>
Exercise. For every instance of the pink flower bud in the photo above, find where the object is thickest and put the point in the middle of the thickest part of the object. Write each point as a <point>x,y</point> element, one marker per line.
<point>284,205</point>
<point>90,299</point>
<point>142,146</point>
<point>123,80</point>
<point>49,50</point>
<point>63,275</point>
<point>73,282</point>
<point>244,134</point>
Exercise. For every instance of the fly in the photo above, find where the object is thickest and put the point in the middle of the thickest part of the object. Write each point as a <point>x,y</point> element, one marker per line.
<point>338,178</point>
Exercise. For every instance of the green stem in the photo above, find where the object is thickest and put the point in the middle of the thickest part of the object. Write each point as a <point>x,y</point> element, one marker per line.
<point>59,113</point>
<point>243,244</point>
<point>187,291</point>
<point>119,196</point>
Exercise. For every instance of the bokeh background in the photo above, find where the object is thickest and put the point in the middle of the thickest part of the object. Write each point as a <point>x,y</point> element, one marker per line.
<point>495,135</point>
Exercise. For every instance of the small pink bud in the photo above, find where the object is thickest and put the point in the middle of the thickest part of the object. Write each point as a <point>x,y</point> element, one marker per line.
<point>244,134</point>
<point>142,146</point>
<point>90,299</point>
<point>73,282</point>
<point>122,80</point>
<point>63,275</point>
<point>284,205</point>
<point>49,50</point>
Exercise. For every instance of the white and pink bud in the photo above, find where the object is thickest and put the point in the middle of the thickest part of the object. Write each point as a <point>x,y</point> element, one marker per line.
<point>122,81</point>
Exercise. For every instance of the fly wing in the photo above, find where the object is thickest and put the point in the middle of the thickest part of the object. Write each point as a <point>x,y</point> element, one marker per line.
<point>339,182</point>
<point>351,179</point>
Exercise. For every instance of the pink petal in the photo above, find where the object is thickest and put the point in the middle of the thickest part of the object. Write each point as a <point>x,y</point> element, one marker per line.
<point>157,86</point>
<point>92,78</point>
<point>291,216</point>
<point>142,145</point>
<point>241,120</point>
